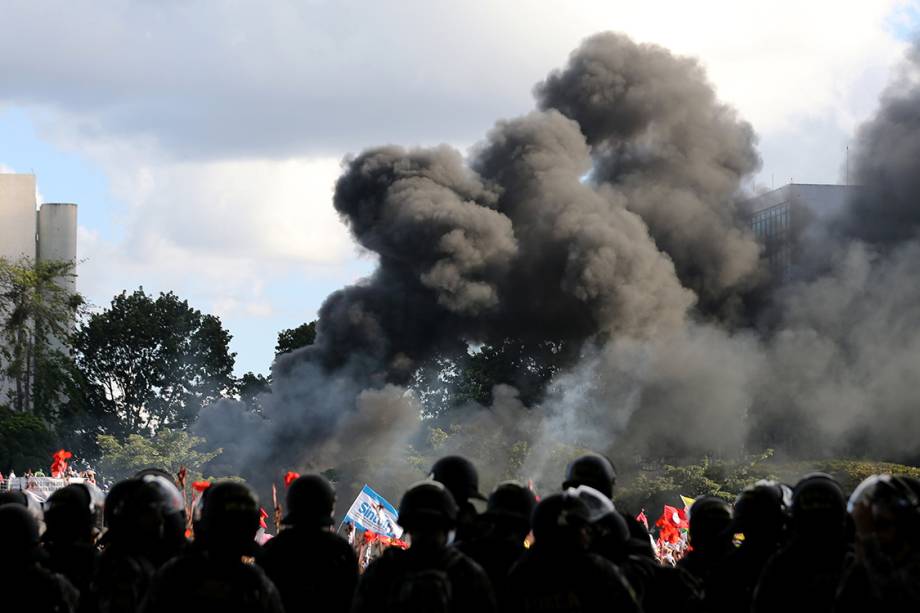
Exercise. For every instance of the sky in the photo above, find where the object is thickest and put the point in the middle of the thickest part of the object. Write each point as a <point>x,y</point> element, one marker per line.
<point>202,140</point>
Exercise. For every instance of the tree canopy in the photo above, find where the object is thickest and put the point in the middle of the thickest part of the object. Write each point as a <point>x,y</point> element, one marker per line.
<point>168,449</point>
<point>295,338</point>
<point>25,441</point>
<point>151,363</point>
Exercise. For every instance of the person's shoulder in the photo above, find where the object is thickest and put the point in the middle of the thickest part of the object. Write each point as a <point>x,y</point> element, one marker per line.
<point>457,562</point>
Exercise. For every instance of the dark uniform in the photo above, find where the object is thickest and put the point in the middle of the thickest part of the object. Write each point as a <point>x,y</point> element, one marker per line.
<point>461,479</point>
<point>68,541</point>
<point>196,582</point>
<point>431,576</point>
<point>761,515</point>
<point>811,564</point>
<point>26,585</point>
<point>212,575</point>
<point>886,573</point>
<point>313,569</point>
<point>558,574</point>
<point>145,517</point>
<point>505,526</point>
<point>571,582</point>
<point>433,581</point>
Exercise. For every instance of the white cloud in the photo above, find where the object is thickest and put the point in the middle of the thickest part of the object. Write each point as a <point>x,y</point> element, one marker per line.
<point>294,78</point>
<point>219,230</point>
<point>221,126</point>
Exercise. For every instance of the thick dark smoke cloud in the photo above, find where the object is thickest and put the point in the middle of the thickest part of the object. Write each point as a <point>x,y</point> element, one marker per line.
<point>607,221</point>
<point>661,141</point>
<point>885,210</point>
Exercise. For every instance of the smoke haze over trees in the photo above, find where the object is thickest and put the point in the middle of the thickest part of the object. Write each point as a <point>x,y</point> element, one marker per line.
<point>608,224</point>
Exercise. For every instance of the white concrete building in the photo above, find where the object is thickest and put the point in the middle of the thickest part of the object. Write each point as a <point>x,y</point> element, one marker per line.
<point>44,233</point>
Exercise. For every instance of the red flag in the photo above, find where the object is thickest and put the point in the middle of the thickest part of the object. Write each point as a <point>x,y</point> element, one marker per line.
<point>263,515</point>
<point>200,486</point>
<point>59,463</point>
<point>670,524</point>
<point>642,518</point>
<point>289,477</point>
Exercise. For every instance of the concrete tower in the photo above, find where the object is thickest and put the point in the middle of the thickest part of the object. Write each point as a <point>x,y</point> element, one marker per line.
<point>57,235</point>
<point>18,229</point>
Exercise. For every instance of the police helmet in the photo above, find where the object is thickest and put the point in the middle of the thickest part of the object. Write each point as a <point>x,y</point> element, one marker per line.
<point>594,470</point>
<point>427,503</point>
<point>459,476</point>
<point>310,501</point>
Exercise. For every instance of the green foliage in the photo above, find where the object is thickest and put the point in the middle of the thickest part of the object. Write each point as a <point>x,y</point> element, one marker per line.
<point>25,442</point>
<point>37,316</point>
<point>168,449</point>
<point>722,478</point>
<point>295,338</point>
<point>151,363</point>
<point>251,386</point>
<point>849,472</point>
<point>448,382</point>
<point>726,479</point>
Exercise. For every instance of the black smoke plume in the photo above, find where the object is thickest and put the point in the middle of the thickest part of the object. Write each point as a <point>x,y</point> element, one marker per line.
<point>607,221</point>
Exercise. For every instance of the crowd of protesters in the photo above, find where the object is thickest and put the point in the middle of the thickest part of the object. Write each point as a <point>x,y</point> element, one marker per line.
<point>804,548</point>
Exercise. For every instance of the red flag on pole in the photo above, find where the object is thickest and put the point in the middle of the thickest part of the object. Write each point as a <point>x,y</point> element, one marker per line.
<point>642,518</point>
<point>670,524</point>
<point>59,463</point>
<point>263,515</point>
<point>289,478</point>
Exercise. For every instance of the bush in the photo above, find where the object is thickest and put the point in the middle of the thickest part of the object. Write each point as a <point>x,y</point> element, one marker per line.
<point>168,449</point>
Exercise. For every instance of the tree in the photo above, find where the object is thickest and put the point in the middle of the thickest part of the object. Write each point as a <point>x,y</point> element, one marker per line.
<point>295,338</point>
<point>25,441</point>
<point>446,381</point>
<point>168,449</point>
<point>154,362</point>
<point>37,317</point>
<point>251,386</point>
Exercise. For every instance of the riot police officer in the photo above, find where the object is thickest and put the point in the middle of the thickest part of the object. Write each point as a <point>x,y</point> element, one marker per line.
<point>430,576</point>
<point>313,568</point>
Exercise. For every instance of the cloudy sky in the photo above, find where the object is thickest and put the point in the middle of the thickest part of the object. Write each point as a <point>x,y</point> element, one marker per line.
<point>202,139</point>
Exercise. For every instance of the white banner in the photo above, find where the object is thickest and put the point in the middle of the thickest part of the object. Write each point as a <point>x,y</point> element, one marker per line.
<point>371,511</point>
<point>40,487</point>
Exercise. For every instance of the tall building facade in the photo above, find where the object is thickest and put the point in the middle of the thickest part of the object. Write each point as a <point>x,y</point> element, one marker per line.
<point>780,219</point>
<point>34,233</point>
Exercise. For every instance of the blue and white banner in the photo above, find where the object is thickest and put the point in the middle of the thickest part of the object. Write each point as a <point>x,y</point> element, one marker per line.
<point>371,511</point>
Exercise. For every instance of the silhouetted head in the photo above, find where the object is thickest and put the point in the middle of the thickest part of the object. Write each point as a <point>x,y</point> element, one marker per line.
<point>562,521</point>
<point>510,507</point>
<point>710,522</point>
<point>818,508</point>
<point>428,513</point>
<point>71,515</point>
<point>146,515</point>
<point>894,503</point>
<point>310,502</point>
<point>593,470</point>
<point>229,519</point>
<point>19,534</point>
<point>459,476</point>
<point>761,512</point>
<point>157,472</point>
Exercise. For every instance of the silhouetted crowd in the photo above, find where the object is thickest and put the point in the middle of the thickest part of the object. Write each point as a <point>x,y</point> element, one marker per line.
<point>805,548</point>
